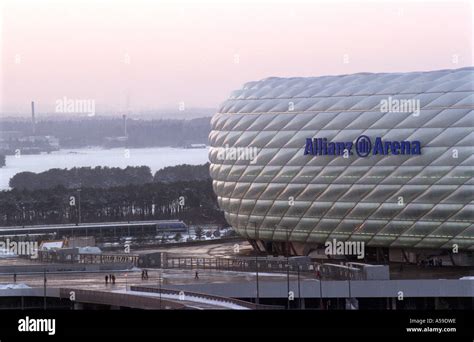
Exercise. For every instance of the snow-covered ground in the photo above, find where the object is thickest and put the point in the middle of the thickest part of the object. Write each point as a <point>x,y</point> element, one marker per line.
<point>6,254</point>
<point>14,286</point>
<point>168,238</point>
<point>267,274</point>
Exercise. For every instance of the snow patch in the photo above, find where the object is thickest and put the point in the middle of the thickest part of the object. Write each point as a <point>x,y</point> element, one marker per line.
<point>14,286</point>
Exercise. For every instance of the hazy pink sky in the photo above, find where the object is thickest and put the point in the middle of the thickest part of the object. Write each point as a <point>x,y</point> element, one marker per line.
<point>199,51</point>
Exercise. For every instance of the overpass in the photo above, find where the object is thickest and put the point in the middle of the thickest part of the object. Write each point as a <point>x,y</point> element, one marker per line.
<point>98,229</point>
<point>136,297</point>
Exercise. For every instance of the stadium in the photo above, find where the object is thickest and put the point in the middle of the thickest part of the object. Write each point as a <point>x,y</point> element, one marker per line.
<point>380,158</point>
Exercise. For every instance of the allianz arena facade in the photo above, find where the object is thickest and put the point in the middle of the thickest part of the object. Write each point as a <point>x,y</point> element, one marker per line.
<point>289,165</point>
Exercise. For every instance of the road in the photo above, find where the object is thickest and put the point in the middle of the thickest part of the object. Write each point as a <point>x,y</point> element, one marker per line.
<point>96,280</point>
<point>221,250</point>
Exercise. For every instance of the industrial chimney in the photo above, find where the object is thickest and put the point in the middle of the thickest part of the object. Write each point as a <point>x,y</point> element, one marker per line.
<point>124,125</point>
<point>33,120</point>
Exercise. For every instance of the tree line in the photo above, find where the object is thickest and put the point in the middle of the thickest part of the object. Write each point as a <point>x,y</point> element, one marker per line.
<point>191,201</point>
<point>182,172</point>
<point>106,177</point>
<point>110,194</point>
<point>78,177</point>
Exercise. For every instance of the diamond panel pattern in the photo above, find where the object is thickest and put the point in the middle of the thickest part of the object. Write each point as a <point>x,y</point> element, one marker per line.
<point>424,201</point>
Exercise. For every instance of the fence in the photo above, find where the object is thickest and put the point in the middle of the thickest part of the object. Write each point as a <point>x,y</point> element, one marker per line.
<point>72,257</point>
<point>218,299</point>
<point>269,265</point>
<point>129,300</point>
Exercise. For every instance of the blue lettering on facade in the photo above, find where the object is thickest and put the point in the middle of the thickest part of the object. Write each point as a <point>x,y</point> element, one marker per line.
<point>363,147</point>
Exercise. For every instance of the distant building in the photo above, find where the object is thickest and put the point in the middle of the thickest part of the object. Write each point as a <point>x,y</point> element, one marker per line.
<point>52,245</point>
<point>195,146</point>
<point>119,141</point>
<point>13,142</point>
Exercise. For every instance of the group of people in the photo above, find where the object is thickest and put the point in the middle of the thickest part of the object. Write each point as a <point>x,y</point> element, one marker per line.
<point>110,278</point>
<point>144,275</point>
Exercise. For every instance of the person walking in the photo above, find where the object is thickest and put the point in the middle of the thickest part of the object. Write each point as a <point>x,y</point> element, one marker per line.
<point>196,275</point>
<point>14,277</point>
<point>113,279</point>
<point>106,280</point>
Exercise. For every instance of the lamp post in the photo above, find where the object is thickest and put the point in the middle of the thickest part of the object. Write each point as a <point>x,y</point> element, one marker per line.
<point>44,289</point>
<point>320,279</point>
<point>287,266</point>
<point>257,299</point>
<point>159,285</point>
<point>79,206</point>
<point>349,283</point>
<point>22,220</point>
<point>299,288</point>
<point>287,252</point>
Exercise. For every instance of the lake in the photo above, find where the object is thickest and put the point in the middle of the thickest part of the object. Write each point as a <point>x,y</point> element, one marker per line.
<point>154,157</point>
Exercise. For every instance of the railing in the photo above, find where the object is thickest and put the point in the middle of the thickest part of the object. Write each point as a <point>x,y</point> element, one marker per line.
<point>118,299</point>
<point>76,258</point>
<point>267,265</point>
<point>340,272</point>
<point>188,295</point>
<point>236,264</point>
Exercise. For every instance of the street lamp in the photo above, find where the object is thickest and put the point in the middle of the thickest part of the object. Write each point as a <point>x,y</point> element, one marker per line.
<point>79,205</point>
<point>287,252</point>
<point>299,287</point>
<point>257,299</point>
<point>349,274</point>
<point>288,265</point>
<point>159,285</point>
<point>44,289</point>
<point>320,279</point>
